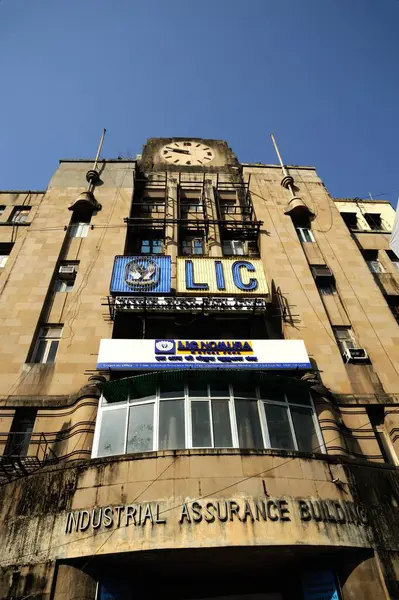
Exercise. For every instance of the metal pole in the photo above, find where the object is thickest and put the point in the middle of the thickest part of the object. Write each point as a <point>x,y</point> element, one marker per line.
<point>99,149</point>
<point>285,172</point>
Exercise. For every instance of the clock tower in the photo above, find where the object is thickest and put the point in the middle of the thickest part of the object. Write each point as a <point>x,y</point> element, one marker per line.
<point>188,154</point>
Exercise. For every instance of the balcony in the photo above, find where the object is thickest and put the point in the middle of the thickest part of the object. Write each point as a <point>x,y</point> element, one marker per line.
<point>23,455</point>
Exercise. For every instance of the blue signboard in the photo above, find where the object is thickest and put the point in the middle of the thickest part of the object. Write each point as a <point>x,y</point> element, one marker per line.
<point>141,275</point>
<point>320,585</point>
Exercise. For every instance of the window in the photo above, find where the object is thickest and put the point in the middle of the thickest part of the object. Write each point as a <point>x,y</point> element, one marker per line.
<point>394,259</point>
<point>374,221</point>
<point>192,245</point>
<point>79,230</point>
<point>20,214</point>
<point>5,251</point>
<point>345,338</point>
<point>305,234</point>
<point>350,220</point>
<point>327,289</point>
<point>212,417</point>
<point>2,209</point>
<point>193,206</point>
<point>393,303</point>
<point>20,432</point>
<point>234,248</point>
<point>47,344</point>
<point>373,263</point>
<point>63,285</point>
<point>190,201</point>
<point>151,246</point>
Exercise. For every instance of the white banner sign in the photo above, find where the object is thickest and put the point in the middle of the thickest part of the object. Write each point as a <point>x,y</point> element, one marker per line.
<point>202,354</point>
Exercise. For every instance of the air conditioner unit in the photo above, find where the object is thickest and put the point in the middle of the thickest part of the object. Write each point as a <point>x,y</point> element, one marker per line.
<point>322,273</point>
<point>355,355</point>
<point>67,271</point>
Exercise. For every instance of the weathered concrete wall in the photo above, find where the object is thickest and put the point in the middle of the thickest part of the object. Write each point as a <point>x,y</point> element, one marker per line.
<point>35,521</point>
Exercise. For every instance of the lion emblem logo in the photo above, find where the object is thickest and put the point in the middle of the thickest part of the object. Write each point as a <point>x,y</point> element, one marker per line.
<point>142,273</point>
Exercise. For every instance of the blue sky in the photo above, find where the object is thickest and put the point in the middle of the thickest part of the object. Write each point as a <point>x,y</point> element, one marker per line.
<point>322,75</point>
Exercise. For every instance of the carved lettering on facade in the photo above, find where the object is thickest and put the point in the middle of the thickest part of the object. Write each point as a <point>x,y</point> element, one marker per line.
<point>334,512</point>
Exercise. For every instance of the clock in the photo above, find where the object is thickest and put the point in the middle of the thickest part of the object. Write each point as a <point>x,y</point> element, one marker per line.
<point>187,154</point>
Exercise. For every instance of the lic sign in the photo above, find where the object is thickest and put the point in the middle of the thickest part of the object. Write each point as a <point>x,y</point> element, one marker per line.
<point>147,275</point>
<point>212,276</point>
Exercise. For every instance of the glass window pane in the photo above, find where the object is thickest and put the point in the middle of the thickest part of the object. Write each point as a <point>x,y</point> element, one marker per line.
<point>307,236</point>
<point>157,246</point>
<point>305,430</point>
<point>195,393</point>
<point>171,425</point>
<point>278,426</point>
<point>52,332</point>
<point>141,428</point>
<point>145,246</point>
<point>52,352</point>
<point>299,396</point>
<point>221,424</point>
<point>201,426</point>
<point>227,248</point>
<point>59,285</point>
<point>239,248</point>
<point>41,348</point>
<point>220,391</point>
<point>248,425</point>
<point>267,392</point>
<point>173,393</point>
<point>112,434</point>
<point>244,391</point>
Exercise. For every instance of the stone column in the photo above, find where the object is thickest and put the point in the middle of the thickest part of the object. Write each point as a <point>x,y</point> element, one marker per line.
<point>214,241</point>
<point>363,580</point>
<point>171,233</point>
<point>329,420</point>
<point>72,583</point>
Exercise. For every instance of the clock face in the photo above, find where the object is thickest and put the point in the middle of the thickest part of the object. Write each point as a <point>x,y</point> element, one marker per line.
<point>185,153</point>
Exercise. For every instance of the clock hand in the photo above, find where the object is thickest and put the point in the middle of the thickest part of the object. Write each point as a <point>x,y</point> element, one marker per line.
<point>181,151</point>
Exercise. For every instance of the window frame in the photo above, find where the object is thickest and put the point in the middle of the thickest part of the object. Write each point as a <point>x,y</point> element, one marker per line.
<point>355,216</point>
<point>3,260</point>
<point>342,344</point>
<point>233,247</point>
<point>19,215</point>
<point>49,338</point>
<point>393,258</point>
<point>208,397</point>
<point>60,282</point>
<point>302,235</point>
<point>375,266</point>
<point>191,240</point>
<point>81,226</point>
<point>372,225</point>
<point>151,243</point>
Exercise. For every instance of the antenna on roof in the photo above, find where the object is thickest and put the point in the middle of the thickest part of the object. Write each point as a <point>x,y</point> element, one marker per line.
<point>93,176</point>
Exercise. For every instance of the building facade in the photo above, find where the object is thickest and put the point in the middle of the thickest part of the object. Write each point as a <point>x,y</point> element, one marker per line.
<point>199,383</point>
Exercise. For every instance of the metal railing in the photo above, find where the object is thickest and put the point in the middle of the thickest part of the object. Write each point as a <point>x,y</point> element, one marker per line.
<point>18,460</point>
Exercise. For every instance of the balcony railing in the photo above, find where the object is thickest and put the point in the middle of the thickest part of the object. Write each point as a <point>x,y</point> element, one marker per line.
<point>19,459</point>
